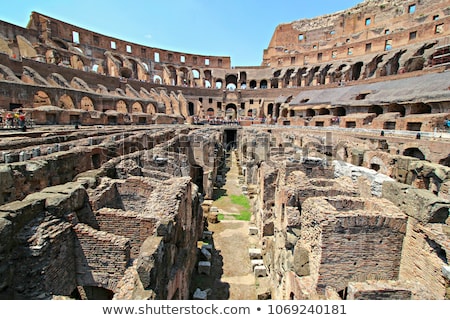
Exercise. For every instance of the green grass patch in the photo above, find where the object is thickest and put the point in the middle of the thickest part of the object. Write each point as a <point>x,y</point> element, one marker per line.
<point>243,216</point>
<point>220,216</point>
<point>240,200</point>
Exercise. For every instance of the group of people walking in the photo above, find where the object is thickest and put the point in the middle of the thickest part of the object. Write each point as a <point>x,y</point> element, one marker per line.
<point>13,120</point>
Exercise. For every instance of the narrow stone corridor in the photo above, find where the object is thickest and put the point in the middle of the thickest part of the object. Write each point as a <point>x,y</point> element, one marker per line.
<point>231,271</point>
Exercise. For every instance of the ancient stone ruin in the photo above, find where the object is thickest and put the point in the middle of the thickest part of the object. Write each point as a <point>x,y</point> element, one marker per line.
<point>340,138</point>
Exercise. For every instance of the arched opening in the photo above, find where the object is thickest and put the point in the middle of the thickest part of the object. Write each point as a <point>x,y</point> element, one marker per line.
<point>263,84</point>
<point>151,109</point>
<point>41,98</point>
<point>126,72</point>
<point>231,81</point>
<point>210,112</point>
<point>274,83</point>
<point>420,108</point>
<point>356,70</point>
<point>172,75</point>
<point>121,106</point>
<point>270,109</point>
<point>440,215</point>
<point>231,86</point>
<point>230,111</point>
<point>284,113</point>
<point>136,108</point>
<point>219,84</point>
<point>375,109</point>
<point>207,84</point>
<point>310,113</point>
<point>252,84</point>
<point>191,110</point>
<point>208,77</point>
<point>339,112</point>
<point>185,80</point>
<point>287,77</point>
<point>65,102</point>
<point>195,74</point>
<point>277,110</point>
<point>87,104</point>
<point>445,161</point>
<point>243,77</point>
<point>157,79</point>
<point>414,152</point>
<point>397,108</point>
<point>324,111</point>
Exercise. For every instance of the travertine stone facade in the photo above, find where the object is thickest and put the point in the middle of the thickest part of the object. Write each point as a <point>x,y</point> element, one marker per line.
<point>378,65</point>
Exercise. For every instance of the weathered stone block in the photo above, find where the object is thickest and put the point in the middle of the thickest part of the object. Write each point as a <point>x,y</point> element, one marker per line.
<point>206,254</point>
<point>260,271</point>
<point>255,253</point>
<point>256,262</point>
<point>204,267</point>
<point>301,261</point>
<point>252,230</point>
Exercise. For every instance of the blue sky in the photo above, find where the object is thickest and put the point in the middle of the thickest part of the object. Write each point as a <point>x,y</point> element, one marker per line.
<point>241,29</point>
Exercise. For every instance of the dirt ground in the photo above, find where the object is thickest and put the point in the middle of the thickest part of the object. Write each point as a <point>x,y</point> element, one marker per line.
<point>231,276</point>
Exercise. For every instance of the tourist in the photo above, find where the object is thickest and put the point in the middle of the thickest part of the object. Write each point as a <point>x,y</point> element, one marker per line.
<point>9,120</point>
<point>21,119</point>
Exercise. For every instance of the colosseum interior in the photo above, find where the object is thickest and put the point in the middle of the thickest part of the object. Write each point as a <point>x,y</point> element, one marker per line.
<point>114,188</point>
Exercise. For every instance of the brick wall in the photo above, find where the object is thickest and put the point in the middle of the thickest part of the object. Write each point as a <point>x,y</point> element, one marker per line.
<point>352,239</point>
<point>423,257</point>
<point>101,257</point>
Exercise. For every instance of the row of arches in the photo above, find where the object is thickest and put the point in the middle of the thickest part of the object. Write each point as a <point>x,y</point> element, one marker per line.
<point>417,108</point>
<point>66,102</point>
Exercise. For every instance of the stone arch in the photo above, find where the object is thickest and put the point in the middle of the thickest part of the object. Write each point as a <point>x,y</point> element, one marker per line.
<point>66,102</point>
<point>356,71</point>
<point>277,110</point>
<point>210,112</point>
<point>310,112</point>
<point>263,84</point>
<point>397,108</point>
<point>172,75</point>
<point>270,109</point>
<point>420,108</point>
<point>191,108</point>
<point>440,215</point>
<point>375,109</point>
<point>274,83</point>
<point>414,152</point>
<point>231,111</point>
<point>252,84</point>
<point>157,79</point>
<point>324,111</point>
<point>287,77</point>
<point>219,84</point>
<point>378,165</point>
<point>137,108</point>
<point>231,81</point>
<point>151,108</point>
<point>41,98</point>
<point>87,104</point>
<point>121,106</point>
<point>445,161</point>
<point>184,75</point>
<point>339,112</point>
